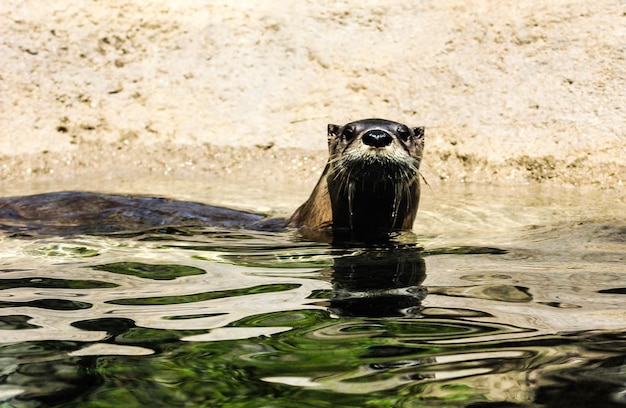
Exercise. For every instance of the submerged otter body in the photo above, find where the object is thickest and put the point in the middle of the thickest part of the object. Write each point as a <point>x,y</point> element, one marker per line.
<point>368,190</point>
<point>370,185</point>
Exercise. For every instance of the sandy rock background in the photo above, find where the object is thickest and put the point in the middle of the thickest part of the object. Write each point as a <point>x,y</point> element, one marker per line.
<point>96,94</point>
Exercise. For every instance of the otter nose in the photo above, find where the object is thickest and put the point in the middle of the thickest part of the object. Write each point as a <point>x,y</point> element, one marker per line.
<point>377,138</point>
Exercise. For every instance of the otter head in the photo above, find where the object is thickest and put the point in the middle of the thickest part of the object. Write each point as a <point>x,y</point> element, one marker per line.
<point>370,186</point>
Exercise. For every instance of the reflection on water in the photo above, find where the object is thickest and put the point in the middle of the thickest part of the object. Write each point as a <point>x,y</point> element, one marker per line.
<point>234,318</point>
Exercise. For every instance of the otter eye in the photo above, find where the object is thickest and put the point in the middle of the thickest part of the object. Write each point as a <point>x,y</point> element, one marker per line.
<point>403,133</point>
<point>348,133</point>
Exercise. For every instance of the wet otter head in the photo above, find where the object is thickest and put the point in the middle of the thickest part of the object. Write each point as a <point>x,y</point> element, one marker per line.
<point>370,186</point>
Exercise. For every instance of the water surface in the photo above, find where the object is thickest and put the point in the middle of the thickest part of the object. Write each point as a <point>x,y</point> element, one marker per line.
<point>509,298</point>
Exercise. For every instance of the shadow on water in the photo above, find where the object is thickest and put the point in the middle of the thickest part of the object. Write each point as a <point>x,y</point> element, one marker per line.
<point>182,316</point>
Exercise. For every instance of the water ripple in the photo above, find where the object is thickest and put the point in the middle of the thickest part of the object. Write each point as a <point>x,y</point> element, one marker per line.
<point>188,316</point>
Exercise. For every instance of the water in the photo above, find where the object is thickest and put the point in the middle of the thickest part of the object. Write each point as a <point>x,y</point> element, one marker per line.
<point>510,298</point>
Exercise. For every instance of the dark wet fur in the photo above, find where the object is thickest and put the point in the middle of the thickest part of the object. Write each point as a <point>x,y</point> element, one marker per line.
<point>81,212</point>
<point>365,205</point>
<point>369,195</point>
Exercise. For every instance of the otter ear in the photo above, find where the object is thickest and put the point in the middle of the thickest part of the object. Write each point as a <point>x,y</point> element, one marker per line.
<point>418,132</point>
<point>334,138</point>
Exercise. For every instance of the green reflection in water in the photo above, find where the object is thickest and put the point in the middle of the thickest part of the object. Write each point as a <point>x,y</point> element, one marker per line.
<point>16,322</point>
<point>200,297</point>
<point>123,331</point>
<point>150,271</point>
<point>330,353</point>
<point>145,336</point>
<point>67,251</point>
<point>294,319</point>
<point>465,250</point>
<point>283,259</point>
<point>51,283</point>
<point>322,361</point>
<point>51,304</point>
<point>193,316</point>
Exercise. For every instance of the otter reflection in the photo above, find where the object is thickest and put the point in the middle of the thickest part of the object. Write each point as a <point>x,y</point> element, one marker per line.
<point>378,282</point>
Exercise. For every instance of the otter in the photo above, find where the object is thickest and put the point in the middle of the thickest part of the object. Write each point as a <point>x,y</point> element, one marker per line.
<point>369,189</point>
<point>370,186</point>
